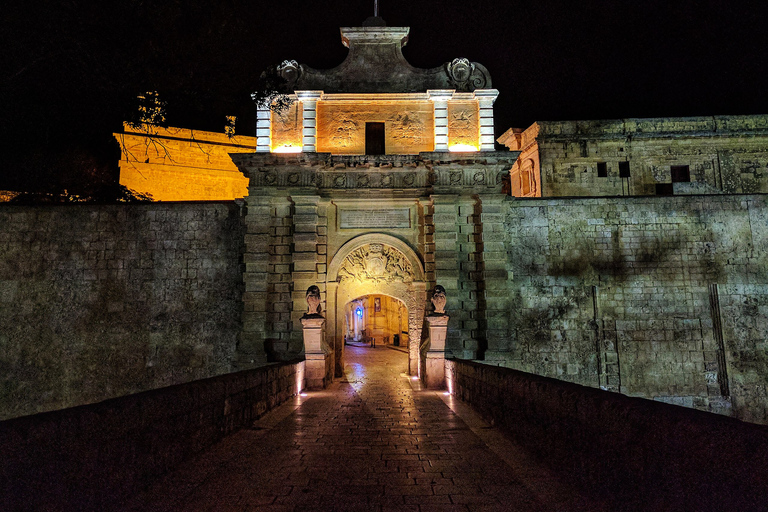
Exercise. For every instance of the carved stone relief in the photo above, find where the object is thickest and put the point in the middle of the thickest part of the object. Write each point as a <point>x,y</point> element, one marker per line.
<point>376,263</point>
<point>286,126</point>
<point>463,123</point>
<point>407,129</point>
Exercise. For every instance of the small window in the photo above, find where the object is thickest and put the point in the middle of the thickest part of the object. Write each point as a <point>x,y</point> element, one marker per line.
<point>583,148</point>
<point>664,189</point>
<point>602,170</point>
<point>680,174</point>
<point>623,169</point>
<point>374,139</point>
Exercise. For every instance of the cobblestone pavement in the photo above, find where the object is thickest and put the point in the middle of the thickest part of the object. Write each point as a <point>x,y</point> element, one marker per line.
<point>373,442</point>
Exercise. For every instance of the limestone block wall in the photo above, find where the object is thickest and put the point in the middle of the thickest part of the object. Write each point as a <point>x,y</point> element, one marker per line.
<point>101,301</point>
<point>658,297</point>
<point>177,164</point>
<point>724,154</point>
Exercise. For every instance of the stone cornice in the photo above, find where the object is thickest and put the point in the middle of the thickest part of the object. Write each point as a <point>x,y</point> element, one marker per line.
<point>418,175</point>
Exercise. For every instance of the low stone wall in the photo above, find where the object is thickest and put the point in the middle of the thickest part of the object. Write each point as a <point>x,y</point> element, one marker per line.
<point>92,457</point>
<point>632,453</point>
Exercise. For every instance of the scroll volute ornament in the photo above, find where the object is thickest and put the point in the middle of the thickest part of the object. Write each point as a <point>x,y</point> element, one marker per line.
<point>290,71</point>
<point>466,76</point>
<point>439,300</point>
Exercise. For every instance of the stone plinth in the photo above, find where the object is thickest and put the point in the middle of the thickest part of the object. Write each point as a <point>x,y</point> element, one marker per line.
<point>435,364</point>
<point>316,358</point>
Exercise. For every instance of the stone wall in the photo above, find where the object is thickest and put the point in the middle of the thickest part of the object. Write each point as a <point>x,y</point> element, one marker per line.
<point>658,297</point>
<point>630,454</point>
<point>94,457</point>
<point>102,301</point>
<point>177,164</point>
<point>724,154</point>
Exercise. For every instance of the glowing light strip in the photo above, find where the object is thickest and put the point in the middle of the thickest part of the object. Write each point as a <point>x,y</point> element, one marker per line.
<point>287,149</point>
<point>462,148</point>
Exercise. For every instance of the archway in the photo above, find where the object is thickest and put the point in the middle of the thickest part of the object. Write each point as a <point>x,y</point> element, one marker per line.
<point>369,265</point>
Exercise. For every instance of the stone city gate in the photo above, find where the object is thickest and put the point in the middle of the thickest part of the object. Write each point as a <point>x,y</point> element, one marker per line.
<point>356,225</point>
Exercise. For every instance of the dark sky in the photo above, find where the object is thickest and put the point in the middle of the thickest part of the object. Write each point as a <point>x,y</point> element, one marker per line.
<point>70,69</point>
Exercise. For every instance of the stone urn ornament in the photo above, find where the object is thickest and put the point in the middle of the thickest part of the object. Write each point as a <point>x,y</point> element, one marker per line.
<point>439,300</point>
<point>313,302</point>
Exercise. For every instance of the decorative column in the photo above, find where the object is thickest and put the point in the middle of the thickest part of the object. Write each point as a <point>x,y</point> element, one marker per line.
<point>439,98</point>
<point>485,99</point>
<point>438,327</point>
<point>308,101</point>
<point>315,353</point>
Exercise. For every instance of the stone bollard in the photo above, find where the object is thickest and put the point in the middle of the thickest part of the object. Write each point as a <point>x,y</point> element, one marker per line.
<point>314,339</point>
<point>438,328</point>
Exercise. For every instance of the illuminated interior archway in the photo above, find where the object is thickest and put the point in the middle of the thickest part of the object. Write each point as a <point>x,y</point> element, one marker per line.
<point>378,318</point>
<point>376,265</point>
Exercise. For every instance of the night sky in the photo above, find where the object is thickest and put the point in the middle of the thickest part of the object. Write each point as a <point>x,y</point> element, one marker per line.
<point>71,69</point>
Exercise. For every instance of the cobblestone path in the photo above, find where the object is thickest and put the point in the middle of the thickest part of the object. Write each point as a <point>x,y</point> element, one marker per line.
<point>372,442</point>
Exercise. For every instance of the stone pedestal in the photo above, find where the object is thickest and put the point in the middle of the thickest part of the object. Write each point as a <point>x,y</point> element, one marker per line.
<point>435,364</point>
<point>316,358</point>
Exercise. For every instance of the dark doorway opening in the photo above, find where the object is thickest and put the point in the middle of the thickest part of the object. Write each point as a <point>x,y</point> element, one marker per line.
<point>374,139</point>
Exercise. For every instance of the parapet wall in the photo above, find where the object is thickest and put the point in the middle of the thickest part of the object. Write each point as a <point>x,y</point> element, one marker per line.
<point>95,457</point>
<point>634,454</point>
<point>177,164</point>
<point>664,298</point>
<point>101,301</point>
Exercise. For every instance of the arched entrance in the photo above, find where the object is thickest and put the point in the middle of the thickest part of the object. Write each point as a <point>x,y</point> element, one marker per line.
<point>370,265</point>
<point>377,319</point>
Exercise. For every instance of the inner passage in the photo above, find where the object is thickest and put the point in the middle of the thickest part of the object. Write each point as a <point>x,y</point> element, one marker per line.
<point>379,319</point>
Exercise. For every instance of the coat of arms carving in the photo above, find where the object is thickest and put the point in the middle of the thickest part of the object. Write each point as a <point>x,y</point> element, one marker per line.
<point>377,263</point>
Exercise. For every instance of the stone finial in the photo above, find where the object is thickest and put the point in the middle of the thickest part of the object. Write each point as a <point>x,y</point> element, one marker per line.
<point>439,300</point>
<point>313,301</point>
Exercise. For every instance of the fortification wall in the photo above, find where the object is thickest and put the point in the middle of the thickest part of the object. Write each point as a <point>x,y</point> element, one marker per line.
<point>102,301</point>
<point>177,164</point>
<point>658,297</point>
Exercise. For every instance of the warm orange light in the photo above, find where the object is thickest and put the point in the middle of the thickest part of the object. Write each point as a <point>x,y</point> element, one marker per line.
<point>287,149</point>
<point>462,148</point>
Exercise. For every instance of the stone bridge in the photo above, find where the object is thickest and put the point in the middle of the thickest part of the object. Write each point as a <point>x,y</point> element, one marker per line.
<point>497,439</point>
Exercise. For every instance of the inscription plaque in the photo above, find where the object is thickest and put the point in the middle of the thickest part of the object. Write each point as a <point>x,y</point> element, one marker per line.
<point>375,218</point>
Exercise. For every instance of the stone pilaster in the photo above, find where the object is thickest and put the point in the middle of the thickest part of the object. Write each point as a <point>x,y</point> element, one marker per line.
<point>440,98</point>
<point>263,130</point>
<point>308,101</point>
<point>491,255</point>
<point>485,99</point>
<point>446,253</point>
<point>308,255</point>
<point>251,349</point>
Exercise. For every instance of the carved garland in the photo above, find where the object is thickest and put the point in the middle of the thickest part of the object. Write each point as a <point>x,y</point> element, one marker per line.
<point>376,263</point>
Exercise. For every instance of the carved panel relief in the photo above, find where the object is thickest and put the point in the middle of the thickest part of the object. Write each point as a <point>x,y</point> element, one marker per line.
<point>463,123</point>
<point>286,126</point>
<point>341,126</point>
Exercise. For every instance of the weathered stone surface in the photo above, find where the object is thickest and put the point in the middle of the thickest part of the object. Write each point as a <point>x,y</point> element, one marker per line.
<point>633,454</point>
<point>619,294</point>
<point>724,154</point>
<point>102,301</point>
